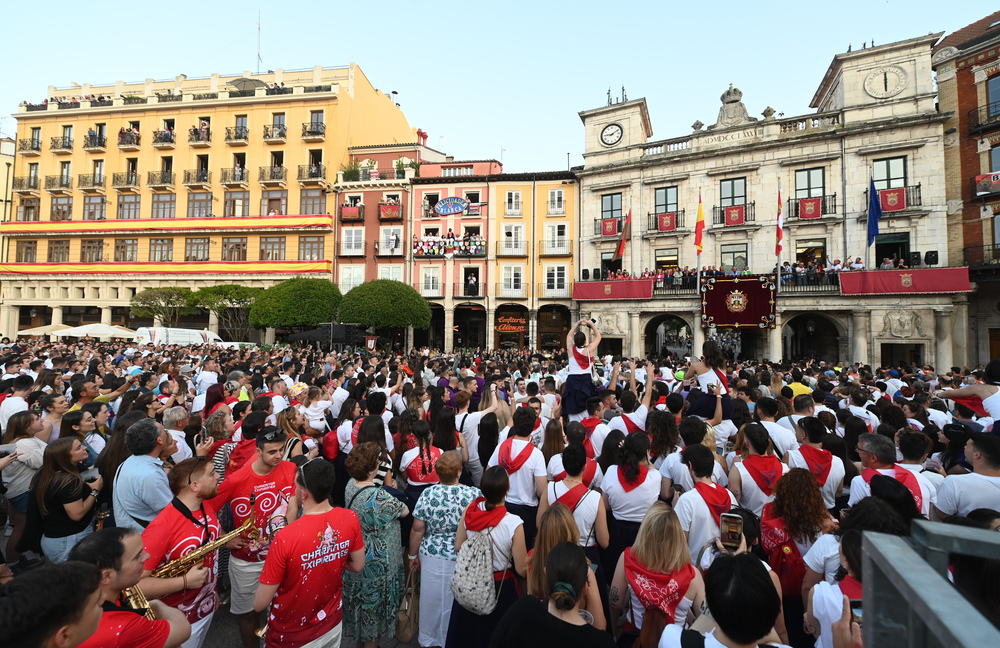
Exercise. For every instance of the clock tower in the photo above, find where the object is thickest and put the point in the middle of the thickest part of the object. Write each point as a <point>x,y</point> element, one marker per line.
<point>615,132</point>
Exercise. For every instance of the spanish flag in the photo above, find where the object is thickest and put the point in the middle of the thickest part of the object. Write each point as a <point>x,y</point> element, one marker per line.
<point>699,228</point>
<point>626,235</point>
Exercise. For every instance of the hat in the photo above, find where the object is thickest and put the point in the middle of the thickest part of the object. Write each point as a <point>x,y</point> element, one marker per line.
<point>894,373</point>
<point>679,375</point>
<point>186,369</point>
<point>296,389</point>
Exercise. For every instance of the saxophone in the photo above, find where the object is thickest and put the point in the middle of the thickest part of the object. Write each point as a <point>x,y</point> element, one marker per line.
<point>182,565</point>
<point>137,600</point>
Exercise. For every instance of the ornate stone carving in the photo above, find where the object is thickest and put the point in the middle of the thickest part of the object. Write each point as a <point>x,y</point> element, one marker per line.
<point>943,55</point>
<point>733,112</point>
<point>697,125</point>
<point>901,324</point>
<point>608,323</point>
<point>768,113</point>
<point>951,140</point>
<point>955,207</point>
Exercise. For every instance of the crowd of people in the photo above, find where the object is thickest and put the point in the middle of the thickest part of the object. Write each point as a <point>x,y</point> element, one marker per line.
<point>527,500</point>
<point>468,244</point>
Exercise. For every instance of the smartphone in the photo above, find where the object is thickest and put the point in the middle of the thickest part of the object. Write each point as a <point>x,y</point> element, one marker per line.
<point>856,611</point>
<point>680,489</point>
<point>731,531</point>
<point>199,439</point>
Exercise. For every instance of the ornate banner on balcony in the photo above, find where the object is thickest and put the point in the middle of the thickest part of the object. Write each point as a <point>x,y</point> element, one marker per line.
<point>810,207</point>
<point>190,267</point>
<point>666,222</point>
<point>987,184</point>
<point>919,281</point>
<point>738,302</point>
<point>389,212</point>
<point>609,227</point>
<point>736,215</point>
<point>350,212</point>
<point>893,199</point>
<point>599,290</point>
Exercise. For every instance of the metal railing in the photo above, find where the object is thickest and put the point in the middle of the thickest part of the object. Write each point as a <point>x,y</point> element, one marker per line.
<point>599,226</point>
<point>556,207</point>
<point>512,290</point>
<point>828,205</point>
<point>979,255</point>
<point>275,131</point>
<point>366,174</point>
<point>66,105</point>
<point>430,289</point>
<point>60,143</point>
<point>653,220</point>
<point>272,174</point>
<point>29,146</point>
<point>352,248</point>
<point>242,93</point>
<point>204,96</point>
<point>390,211</point>
<point>468,291</point>
<point>164,136</point>
<point>130,101</point>
<point>473,247</point>
<point>279,91</point>
<point>552,290</point>
<point>128,139</point>
<point>168,98</point>
<point>513,248</point>
<point>234,175</point>
<point>125,180</point>
<point>313,129</point>
<point>913,196</point>
<point>314,172</point>
<point>719,213</point>
<point>984,117</point>
<point>159,178</point>
<point>58,182</point>
<point>197,136</point>
<point>90,181</point>
<point>386,247</point>
<point>101,103</point>
<point>237,134</point>
<point>318,88</point>
<point>26,183</point>
<point>667,289</point>
<point>197,176</point>
<point>807,282</point>
<point>94,142</point>
<point>560,246</point>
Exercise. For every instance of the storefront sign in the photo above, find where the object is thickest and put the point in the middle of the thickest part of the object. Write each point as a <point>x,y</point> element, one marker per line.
<point>511,323</point>
<point>987,184</point>
<point>452,205</point>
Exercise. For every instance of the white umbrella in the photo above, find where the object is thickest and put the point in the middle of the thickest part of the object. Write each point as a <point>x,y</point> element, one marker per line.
<point>42,330</point>
<point>94,330</point>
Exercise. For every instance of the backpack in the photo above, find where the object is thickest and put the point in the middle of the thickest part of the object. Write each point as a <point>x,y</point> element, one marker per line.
<point>472,582</point>
<point>787,563</point>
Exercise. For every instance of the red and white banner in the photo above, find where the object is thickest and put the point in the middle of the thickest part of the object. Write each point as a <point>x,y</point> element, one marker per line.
<point>736,215</point>
<point>810,207</point>
<point>666,222</point>
<point>609,227</point>
<point>370,341</point>
<point>987,184</point>
<point>920,281</point>
<point>893,199</point>
<point>619,289</point>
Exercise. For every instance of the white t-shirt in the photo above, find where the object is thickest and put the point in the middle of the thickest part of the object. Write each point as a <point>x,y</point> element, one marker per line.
<point>339,396</point>
<point>926,485</point>
<point>673,469</point>
<point>183,449</point>
<point>696,518</point>
<point>788,422</point>
<point>555,468</point>
<point>205,380</point>
<point>861,489</point>
<point>470,431</point>
<point>11,406</point>
<point>630,506</point>
<point>831,489</point>
<point>522,481</point>
<point>503,540</point>
<point>938,417</point>
<point>638,417</point>
<point>782,437</point>
<point>824,556</point>
<point>960,494</point>
<point>585,512</point>
<point>671,638</point>
<point>346,431</point>
<point>600,433</point>
<point>828,607</point>
<point>315,414</point>
<point>751,496</point>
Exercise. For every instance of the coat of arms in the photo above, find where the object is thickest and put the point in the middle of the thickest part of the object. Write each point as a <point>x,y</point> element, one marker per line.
<point>892,199</point>
<point>906,279</point>
<point>809,208</point>
<point>607,289</point>
<point>736,302</point>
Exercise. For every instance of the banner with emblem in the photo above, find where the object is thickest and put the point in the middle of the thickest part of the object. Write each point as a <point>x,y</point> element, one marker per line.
<point>609,227</point>
<point>666,222</point>
<point>738,302</point>
<point>987,184</point>
<point>810,207</point>
<point>928,281</point>
<point>893,199</point>
<point>370,341</point>
<point>736,215</point>
<point>620,289</point>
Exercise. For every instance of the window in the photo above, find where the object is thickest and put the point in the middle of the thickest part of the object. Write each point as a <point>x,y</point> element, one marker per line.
<point>556,205</point>
<point>993,94</point>
<point>58,251</point>
<point>65,173</point>
<point>429,201</point>
<point>315,118</point>
<point>995,159</point>
<point>36,135</point>
<point>514,203</point>
<point>448,172</point>
<point>98,170</point>
<point>91,251</point>
<point>199,204</point>
<point>311,248</point>
<point>665,200</point>
<point>126,250</point>
<point>351,276</point>
<point>27,252</point>
<point>94,206</point>
<point>513,239</point>
<point>353,240</point>
<point>164,205</point>
<point>555,278</point>
<point>890,173</point>
<point>512,281</point>
<point>161,249</point>
<point>666,259</point>
<point>278,121</point>
<point>33,171</point>
<point>556,241</point>
<point>393,272</point>
<point>275,200</point>
<point>128,207</point>
<point>391,240</point>
<point>431,281</point>
<point>241,126</point>
<point>272,248</point>
<point>67,132</point>
<point>62,208</point>
<point>471,196</point>
<point>234,248</point>
<point>611,206</point>
<point>27,210</point>
<point>196,249</point>
<point>313,201</point>
<point>237,204</point>
<point>811,250</point>
<point>810,183</point>
<point>733,192</point>
<point>734,255</point>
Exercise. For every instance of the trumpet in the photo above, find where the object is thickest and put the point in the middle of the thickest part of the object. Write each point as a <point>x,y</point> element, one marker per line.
<point>183,565</point>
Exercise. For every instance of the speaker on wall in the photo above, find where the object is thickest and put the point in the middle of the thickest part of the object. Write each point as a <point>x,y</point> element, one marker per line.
<point>597,274</point>
<point>586,274</point>
<point>931,258</point>
<point>914,259</point>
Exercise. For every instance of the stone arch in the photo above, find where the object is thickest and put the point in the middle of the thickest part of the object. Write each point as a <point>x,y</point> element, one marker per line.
<point>823,336</point>
<point>662,329</point>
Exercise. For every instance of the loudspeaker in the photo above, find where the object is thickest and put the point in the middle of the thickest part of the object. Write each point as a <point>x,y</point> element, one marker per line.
<point>586,274</point>
<point>931,258</point>
<point>597,274</point>
<point>339,333</point>
<point>914,259</point>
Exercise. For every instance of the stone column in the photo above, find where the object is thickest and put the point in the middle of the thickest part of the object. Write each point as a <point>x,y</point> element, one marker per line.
<point>449,334</point>
<point>213,322</point>
<point>859,350</point>
<point>408,340</point>
<point>960,341</point>
<point>57,315</point>
<point>943,340</point>
<point>532,341</point>
<point>634,335</point>
<point>269,336</point>
<point>9,320</point>
<point>106,315</point>
<point>491,327</point>
<point>774,339</point>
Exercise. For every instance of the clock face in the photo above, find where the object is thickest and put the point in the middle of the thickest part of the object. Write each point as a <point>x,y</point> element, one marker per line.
<point>884,82</point>
<point>612,134</point>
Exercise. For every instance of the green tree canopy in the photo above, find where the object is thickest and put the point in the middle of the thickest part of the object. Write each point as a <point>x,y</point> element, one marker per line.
<point>231,304</point>
<point>385,303</point>
<point>296,302</point>
<point>164,304</point>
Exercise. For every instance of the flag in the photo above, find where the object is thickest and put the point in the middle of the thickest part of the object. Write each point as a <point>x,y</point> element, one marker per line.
<point>626,235</point>
<point>874,211</point>
<point>779,234</point>
<point>699,228</point>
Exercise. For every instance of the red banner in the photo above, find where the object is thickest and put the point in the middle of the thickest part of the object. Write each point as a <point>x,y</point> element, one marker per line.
<point>736,215</point>
<point>921,281</point>
<point>666,222</point>
<point>987,184</point>
<point>389,212</point>
<point>370,341</point>
<point>893,199</point>
<point>349,212</point>
<point>738,302</point>
<point>625,289</point>
<point>609,227</point>
<point>810,207</point>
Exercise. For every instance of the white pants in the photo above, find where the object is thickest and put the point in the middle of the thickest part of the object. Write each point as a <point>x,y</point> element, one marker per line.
<point>199,630</point>
<point>579,416</point>
<point>435,600</point>
<point>329,640</point>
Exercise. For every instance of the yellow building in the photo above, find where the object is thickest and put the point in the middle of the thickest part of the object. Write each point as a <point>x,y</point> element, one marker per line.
<point>187,182</point>
<point>533,221</point>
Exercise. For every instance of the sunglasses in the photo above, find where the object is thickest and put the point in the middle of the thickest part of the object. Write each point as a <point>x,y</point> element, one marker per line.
<point>272,436</point>
<point>302,472</point>
<point>198,460</point>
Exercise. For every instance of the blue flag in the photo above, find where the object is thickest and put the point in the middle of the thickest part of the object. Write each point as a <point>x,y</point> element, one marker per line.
<point>874,211</point>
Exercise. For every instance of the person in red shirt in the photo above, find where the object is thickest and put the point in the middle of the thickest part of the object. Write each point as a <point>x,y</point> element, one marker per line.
<point>119,554</point>
<point>305,564</point>
<point>271,482</point>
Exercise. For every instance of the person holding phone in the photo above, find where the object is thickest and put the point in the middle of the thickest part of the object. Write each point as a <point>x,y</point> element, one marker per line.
<point>579,384</point>
<point>825,601</point>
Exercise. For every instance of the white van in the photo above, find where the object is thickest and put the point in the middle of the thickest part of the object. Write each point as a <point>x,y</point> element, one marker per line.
<point>161,335</point>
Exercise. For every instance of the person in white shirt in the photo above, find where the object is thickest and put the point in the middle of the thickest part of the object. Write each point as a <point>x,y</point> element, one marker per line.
<point>914,447</point>
<point>673,470</point>
<point>752,480</point>
<point>826,466</point>
<point>960,494</point>
<point>700,508</point>
<point>525,466</point>
<point>15,402</point>
<point>468,424</point>
<point>208,376</point>
<point>878,456</point>
<point>804,405</point>
<point>782,437</point>
<point>175,419</point>
<point>634,412</point>
<point>858,403</point>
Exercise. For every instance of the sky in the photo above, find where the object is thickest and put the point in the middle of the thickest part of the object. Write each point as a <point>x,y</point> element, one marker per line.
<point>484,79</point>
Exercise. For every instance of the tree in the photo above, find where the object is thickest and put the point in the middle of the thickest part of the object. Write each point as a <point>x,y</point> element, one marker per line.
<point>296,302</point>
<point>385,303</point>
<point>164,304</point>
<point>231,304</point>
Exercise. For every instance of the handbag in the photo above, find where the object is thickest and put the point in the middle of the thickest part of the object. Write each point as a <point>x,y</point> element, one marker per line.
<point>594,378</point>
<point>408,616</point>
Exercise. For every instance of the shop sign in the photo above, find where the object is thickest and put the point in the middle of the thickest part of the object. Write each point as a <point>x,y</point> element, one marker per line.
<point>452,205</point>
<point>511,323</point>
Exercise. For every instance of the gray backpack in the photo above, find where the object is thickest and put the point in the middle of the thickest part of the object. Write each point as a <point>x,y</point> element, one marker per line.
<point>473,583</point>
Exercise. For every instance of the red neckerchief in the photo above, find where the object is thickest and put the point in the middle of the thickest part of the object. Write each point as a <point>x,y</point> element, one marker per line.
<point>572,497</point>
<point>903,476</point>
<point>589,472</point>
<point>716,498</point>
<point>629,486</point>
<point>851,587</point>
<point>538,423</point>
<point>765,471</point>
<point>221,442</point>
<point>477,519</point>
<point>656,589</point>
<point>818,460</point>
<point>631,425</point>
<point>513,464</point>
<point>590,424</point>
<point>581,359</point>
<point>723,380</point>
<point>662,400</point>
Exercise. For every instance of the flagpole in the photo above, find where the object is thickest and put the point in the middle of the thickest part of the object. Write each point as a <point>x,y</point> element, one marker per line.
<point>777,250</point>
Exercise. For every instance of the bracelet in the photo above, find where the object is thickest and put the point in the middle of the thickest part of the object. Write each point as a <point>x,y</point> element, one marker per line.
<point>95,493</point>
<point>413,557</point>
<point>185,577</point>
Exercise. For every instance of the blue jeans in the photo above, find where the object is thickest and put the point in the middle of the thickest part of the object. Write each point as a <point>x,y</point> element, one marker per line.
<point>57,549</point>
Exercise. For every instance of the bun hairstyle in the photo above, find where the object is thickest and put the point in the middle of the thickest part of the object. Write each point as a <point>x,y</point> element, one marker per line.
<point>566,575</point>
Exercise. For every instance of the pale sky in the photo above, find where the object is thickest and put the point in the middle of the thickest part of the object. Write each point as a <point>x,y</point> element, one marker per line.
<point>483,79</point>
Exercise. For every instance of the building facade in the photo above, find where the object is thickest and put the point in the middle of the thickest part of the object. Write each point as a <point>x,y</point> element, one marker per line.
<point>875,115</point>
<point>967,63</point>
<point>188,182</point>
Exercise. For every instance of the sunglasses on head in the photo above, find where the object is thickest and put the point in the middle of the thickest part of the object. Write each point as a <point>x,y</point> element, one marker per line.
<point>302,471</point>
<point>271,436</point>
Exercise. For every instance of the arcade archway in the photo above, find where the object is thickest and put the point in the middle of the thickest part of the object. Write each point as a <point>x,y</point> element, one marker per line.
<point>666,334</point>
<point>812,335</point>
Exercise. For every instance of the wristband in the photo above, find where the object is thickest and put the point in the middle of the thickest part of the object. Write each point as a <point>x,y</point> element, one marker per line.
<point>413,557</point>
<point>95,493</point>
<point>185,577</point>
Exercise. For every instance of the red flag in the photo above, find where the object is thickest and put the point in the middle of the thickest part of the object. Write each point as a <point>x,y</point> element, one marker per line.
<point>626,235</point>
<point>699,228</point>
<point>780,233</point>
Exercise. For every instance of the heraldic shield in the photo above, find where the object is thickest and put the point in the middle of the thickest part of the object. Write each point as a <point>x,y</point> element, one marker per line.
<point>738,302</point>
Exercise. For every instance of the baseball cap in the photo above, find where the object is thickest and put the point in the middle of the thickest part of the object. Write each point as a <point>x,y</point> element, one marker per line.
<point>186,369</point>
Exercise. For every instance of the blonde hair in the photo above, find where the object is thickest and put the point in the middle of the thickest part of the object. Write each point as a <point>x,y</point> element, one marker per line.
<point>557,526</point>
<point>661,545</point>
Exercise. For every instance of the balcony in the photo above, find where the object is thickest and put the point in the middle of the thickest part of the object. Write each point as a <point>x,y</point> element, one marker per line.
<point>351,248</point>
<point>61,145</point>
<point>553,290</point>
<point>29,147</point>
<point>390,212</point>
<point>313,174</point>
<point>128,141</point>
<point>90,182</point>
<point>828,282</point>
<point>389,247</point>
<point>608,226</point>
<point>430,289</point>
<point>982,255</point>
<point>982,118</point>
<point>164,139</point>
<point>237,135</point>
<point>370,175</point>
<point>199,138</point>
<point>806,208</point>
<point>275,134</point>
<point>469,291</point>
<point>666,289</point>
<point>59,184</point>
<point>556,208</point>
<point>313,132</point>
<point>556,247</point>
<point>513,248</point>
<point>512,290</point>
<point>278,91</point>
<point>351,213</point>
<point>26,184</point>
<point>198,178</point>
<point>234,177</point>
<point>95,143</point>
<point>913,199</point>
<point>272,175</point>
<point>730,216</point>
<point>156,179</point>
<point>127,181</point>
<point>664,222</point>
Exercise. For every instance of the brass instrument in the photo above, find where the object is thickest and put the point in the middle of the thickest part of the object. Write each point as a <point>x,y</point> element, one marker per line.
<point>183,565</point>
<point>137,600</point>
<point>262,632</point>
<point>102,514</point>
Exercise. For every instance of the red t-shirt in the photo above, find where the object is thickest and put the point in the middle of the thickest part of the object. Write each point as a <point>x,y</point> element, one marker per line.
<point>244,452</point>
<point>120,628</point>
<point>171,536</point>
<point>271,492</point>
<point>306,561</point>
